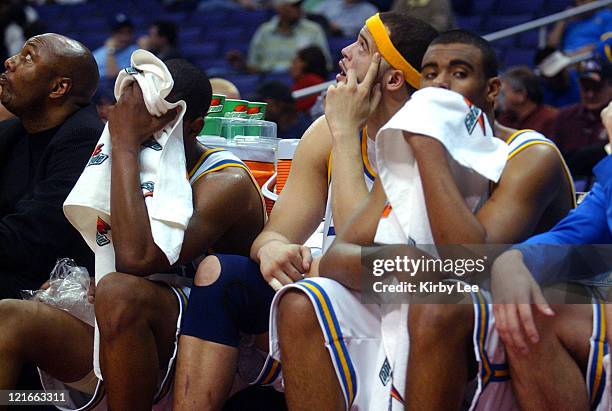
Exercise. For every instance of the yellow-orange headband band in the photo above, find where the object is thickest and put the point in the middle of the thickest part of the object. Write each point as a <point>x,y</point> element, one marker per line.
<point>388,51</point>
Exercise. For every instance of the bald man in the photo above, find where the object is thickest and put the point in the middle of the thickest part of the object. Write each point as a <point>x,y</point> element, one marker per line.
<point>225,87</point>
<point>48,86</point>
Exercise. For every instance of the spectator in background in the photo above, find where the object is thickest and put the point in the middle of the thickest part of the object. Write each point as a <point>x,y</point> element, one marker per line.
<point>345,17</point>
<point>579,132</point>
<point>579,34</point>
<point>438,13</point>
<point>522,102</point>
<point>276,41</point>
<point>116,52</point>
<point>104,98</point>
<point>308,69</point>
<point>161,40</point>
<point>18,22</point>
<point>561,89</point>
<point>282,110</point>
<point>225,87</point>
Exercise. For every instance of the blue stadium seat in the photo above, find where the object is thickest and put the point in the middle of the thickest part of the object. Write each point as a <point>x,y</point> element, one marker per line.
<point>283,77</point>
<point>197,51</point>
<point>91,39</point>
<point>246,83</point>
<point>499,22</point>
<point>336,44</point>
<point>514,7</point>
<point>471,23</point>
<point>529,39</point>
<point>231,33</point>
<point>484,7</point>
<point>519,56</point>
<point>189,35</point>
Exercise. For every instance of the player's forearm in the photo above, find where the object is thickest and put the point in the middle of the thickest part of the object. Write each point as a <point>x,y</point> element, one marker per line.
<point>342,263</point>
<point>451,221</point>
<point>135,250</point>
<point>348,186</point>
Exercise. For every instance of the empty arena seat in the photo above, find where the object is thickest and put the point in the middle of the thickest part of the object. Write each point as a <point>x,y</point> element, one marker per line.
<point>519,7</point>
<point>518,56</point>
<point>471,23</point>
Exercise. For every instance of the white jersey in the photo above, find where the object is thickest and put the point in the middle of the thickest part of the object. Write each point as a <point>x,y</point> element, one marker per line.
<point>93,398</point>
<point>368,156</point>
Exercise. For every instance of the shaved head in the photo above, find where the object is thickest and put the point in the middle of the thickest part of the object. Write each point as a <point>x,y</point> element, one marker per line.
<point>71,59</point>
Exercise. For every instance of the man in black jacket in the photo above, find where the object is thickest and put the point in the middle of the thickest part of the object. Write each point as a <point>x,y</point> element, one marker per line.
<point>48,86</point>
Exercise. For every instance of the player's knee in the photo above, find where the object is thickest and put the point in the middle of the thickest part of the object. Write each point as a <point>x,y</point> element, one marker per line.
<point>296,315</point>
<point>437,322</point>
<point>119,304</point>
<point>208,271</point>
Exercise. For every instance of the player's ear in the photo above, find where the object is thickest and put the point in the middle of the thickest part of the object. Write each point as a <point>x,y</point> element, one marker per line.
<point>493,89</point>
<point>194,128</point>
<point>393,80</point>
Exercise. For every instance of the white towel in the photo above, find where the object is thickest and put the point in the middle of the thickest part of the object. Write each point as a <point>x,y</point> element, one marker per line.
<point>475,157</point>
<point>162,174</point>
<point>465,132</point>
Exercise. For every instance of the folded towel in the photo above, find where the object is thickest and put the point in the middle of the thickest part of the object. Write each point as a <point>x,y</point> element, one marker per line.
<point>475,157</point>
<point>164,183</point>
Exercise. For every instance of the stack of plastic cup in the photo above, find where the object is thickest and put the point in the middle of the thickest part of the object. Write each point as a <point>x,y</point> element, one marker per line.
<point>256,112</point>
<point>212,121</point>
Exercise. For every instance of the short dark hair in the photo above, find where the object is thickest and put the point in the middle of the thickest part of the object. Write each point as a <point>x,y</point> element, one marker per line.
<point>522,78</point>
<point>409,35</point>
<point>166,29</point>
<point>314,61</point>
<point>489,58</point>
<point>191,85</point>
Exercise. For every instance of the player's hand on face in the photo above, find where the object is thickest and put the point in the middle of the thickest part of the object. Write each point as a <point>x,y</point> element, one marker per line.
<point>606,119</point>
<point>514,293</point>
<point>129,121</point>
<point>348,104</point>
<point>284,263</point>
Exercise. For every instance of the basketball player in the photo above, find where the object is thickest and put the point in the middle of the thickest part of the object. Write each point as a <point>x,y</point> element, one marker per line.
<point>231,294</point>
<point>311,324</point>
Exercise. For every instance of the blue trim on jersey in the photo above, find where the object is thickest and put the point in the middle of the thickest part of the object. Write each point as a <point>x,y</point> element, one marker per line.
<point>599,348</point>
<point>331,231</point>
<point>349,395</point>
<point>270,372</point>
<point>224,162</point>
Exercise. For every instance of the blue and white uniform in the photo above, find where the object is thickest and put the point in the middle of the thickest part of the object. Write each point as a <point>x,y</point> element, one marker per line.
<point>89,393</point>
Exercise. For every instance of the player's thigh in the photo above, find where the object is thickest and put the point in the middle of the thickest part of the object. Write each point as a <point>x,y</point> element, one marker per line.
<point>50,338</point>
<point>126,302</point>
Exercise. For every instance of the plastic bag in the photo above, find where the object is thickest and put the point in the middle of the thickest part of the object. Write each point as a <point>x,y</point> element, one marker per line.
<point>68,288</point>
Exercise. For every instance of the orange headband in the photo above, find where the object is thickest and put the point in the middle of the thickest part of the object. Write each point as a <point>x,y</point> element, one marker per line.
<point>388,51</point>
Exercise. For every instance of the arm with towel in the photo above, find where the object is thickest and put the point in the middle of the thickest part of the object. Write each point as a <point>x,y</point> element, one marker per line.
<point>529,183</point>
<point>130,124</point>
<point>136,252</point>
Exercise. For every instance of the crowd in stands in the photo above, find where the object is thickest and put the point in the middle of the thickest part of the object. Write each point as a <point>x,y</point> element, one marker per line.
<point>47,91</point>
